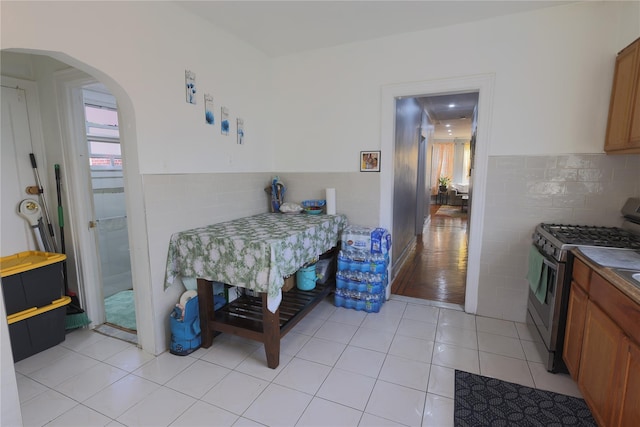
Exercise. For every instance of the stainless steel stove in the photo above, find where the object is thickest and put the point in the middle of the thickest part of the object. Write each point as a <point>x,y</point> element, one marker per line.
<point>554,242</point>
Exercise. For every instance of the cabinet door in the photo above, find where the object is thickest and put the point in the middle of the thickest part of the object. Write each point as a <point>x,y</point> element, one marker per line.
<point>574,329</point>
<point>600,354</point>
<point>630,385</point>
<point>622,98</point>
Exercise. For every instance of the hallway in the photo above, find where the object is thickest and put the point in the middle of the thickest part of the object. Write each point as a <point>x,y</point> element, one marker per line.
<point>436,269</point>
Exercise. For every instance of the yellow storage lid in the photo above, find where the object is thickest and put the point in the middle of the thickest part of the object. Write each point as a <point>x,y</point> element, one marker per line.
<point>31,312</point>
<point>29,260</point>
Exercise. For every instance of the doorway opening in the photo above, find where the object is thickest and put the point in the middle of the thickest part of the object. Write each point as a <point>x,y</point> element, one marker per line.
<point>435,267</point>
<point>108,195</point>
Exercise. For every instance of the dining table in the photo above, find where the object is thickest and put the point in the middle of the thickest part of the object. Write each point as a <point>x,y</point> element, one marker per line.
<point>255,253</point>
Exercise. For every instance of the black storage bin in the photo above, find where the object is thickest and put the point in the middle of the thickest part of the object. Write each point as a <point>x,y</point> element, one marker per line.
<point>34,330</point>
<point>31,279</point>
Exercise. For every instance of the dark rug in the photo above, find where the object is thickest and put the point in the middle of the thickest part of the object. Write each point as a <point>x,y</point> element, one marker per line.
<point>484,401</point>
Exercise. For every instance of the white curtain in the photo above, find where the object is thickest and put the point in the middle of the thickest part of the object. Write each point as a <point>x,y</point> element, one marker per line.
<point>442,163</point>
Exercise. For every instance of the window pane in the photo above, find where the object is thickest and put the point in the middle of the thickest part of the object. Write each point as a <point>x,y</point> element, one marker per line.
<point>95,131</point>
<point>107,148</point>
<point>103,116</point>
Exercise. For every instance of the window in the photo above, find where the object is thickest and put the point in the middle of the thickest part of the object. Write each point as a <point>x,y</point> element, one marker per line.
<point>103,136</point>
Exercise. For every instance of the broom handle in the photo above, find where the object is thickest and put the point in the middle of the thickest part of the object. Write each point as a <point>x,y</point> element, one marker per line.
<point>61,224</point>
<point>44,202</point>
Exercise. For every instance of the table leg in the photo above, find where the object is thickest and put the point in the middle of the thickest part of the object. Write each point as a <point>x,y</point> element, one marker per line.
<point>271,333</point>
<point>205,310</point>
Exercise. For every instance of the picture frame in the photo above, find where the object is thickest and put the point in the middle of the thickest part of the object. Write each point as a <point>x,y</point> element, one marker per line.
<point>370,161</point>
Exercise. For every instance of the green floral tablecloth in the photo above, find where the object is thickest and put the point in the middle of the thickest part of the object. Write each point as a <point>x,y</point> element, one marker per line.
<point>255,252</point>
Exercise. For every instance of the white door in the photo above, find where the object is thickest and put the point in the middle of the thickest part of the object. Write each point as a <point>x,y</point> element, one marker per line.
<point>17,173</point>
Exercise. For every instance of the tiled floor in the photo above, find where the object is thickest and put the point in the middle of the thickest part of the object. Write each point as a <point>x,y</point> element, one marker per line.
<point>338,367</point>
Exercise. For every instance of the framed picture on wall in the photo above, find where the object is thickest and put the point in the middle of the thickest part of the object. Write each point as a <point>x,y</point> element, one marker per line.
<point>370,161</point>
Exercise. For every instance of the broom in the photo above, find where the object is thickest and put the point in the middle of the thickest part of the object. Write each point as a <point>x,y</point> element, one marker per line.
<point>76,317</point>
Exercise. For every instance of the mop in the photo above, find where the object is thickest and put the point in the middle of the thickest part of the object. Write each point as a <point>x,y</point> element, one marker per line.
<point>76,317</point>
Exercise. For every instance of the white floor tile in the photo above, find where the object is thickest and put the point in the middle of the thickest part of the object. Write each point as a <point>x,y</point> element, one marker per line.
<point>203,414</point>
<point>245,422</point>
<point>412,348</point>
<point>80,416</point>
<point>531,351</point>
<point>256,365</point>
<point>81,338</point>
<point>104,348</point>
<point>496,326</point>
<point>361,361</point>
<point>292,343</point>
<point>438,411</point>
<point>28,388</point>
<point>268,408</point>
<point>321,351</point>
<point>303,375</point>
<point>405,372</point>
<point>349,317</point>
<point>198,378</point>
<point>309,325</point>
<point>381,322</point>
<point>115,399</point>
<point>459,319</point>
<point>41,360</point>
<point>385,364</point>
<point>45,407</point>
<point>372,339</point>
<point>347,388</point>
<point>558,383</point>
<point>129,359</point>
<point>448,334</point>
<point>499,344</point>
<point>524,333</point>
<point>505,368</point>
<point>164,367</point>
<point>442,381</point>
<point>62,369</point>
<point>369,420</point>
<point>89,382</point>
<point>235,392</point>
<point>397,403</point>
<point>416,329</point>
<point>160,408</point>
<point>228,353</point>
<point>338,332</point>
<point>322,413</point>
<point>423,313</point>
<point>450,356</point>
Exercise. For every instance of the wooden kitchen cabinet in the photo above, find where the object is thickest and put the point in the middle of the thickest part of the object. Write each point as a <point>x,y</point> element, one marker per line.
<point>599,358</point>
<point>574,330</point>
<point>629,413</point>
<point>623,125</point>
<point>602,346</point>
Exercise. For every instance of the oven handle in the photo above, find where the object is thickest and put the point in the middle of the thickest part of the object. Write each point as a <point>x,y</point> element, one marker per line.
<point>552,265</point>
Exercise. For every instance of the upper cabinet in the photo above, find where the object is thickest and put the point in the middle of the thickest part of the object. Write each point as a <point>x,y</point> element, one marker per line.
<point>623,127</point>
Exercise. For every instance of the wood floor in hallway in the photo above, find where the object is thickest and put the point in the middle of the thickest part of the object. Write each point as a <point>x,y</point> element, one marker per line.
<point>437,267</point>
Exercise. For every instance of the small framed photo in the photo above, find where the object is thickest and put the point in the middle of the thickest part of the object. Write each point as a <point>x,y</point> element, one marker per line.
<point>370,161</point>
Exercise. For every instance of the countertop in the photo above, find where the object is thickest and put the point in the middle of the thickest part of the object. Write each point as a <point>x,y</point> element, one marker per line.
<point>608,273</point>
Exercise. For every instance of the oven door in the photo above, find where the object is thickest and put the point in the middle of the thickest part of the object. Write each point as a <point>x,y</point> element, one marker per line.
<point>547,317</point>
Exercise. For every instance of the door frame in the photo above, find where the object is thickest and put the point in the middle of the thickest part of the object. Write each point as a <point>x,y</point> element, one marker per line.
<point>69,85</point>
<point>483,84</point>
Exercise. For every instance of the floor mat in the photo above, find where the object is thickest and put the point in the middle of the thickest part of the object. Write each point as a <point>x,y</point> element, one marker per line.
<point>120,310</point>
<point>484,401</point>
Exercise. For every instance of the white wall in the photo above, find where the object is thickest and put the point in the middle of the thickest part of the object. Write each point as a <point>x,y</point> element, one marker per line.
<point>147,56</point>
<point>553,71</point>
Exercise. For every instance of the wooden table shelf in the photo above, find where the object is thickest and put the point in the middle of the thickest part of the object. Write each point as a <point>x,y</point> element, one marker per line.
<point>248,316</point>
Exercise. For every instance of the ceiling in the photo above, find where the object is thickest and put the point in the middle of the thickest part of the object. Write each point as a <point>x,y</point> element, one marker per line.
<point>280,28</point>
<point>451,114</point>
<point>285,27</point>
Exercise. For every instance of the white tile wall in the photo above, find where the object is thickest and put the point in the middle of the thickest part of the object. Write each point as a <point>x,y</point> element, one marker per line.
<point>523,191</point>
